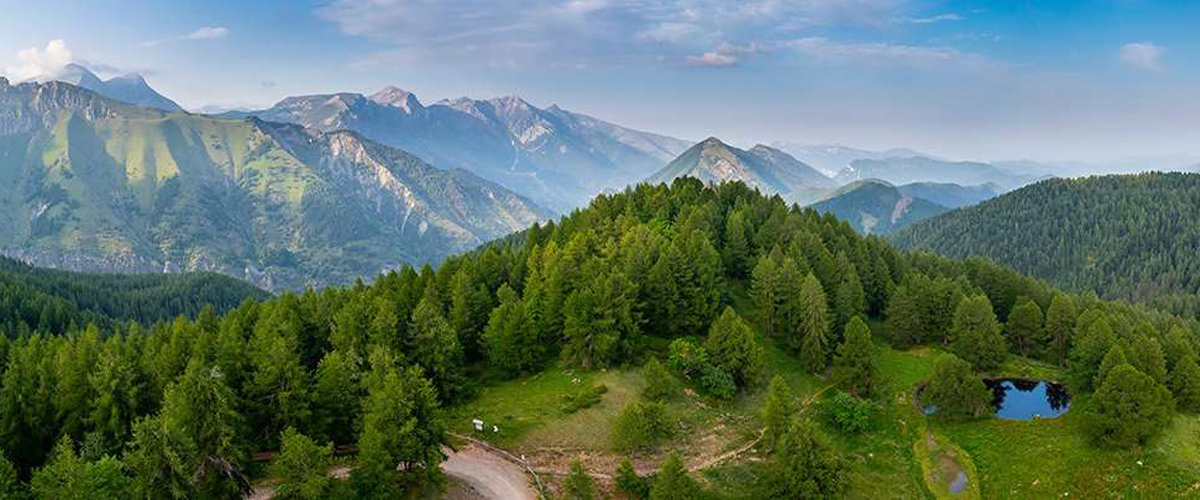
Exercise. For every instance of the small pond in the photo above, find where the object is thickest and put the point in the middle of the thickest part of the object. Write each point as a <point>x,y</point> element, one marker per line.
<point>1016,399</point>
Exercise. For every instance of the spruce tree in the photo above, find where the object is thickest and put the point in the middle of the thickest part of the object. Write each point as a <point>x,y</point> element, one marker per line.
<point>764,289</point>
<point>511,339</point>
<point>812,341</point>
<point>1115,357</point>
<point>1148,358</point>
<point>779,408</point>
<point>1088,352</point>
<point>629,483</point>
<point>850,299</point>
<point>805,465</point>
<point>857,363</point>
<point>1024,327</point>
<point>736,252</point>
<point>673,482</point>
<point>731,346</point>
<point>976,334</point>
<point>1060,328</point>
<point>1185,384</point>
<point>1128,408</point>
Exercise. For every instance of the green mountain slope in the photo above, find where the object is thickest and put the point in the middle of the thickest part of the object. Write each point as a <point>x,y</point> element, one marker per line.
<point>876,207</point>
<point>951,195</point>
<point>1125,236</point>
<point>94,184</point>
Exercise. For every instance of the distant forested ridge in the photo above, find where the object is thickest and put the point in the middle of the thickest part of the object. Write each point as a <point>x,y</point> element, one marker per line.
<point>174,409</point>
<point>48,300</point>
<point>1133,237</point>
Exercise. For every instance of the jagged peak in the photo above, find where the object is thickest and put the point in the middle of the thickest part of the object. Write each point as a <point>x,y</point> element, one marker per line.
<point>397,97</point>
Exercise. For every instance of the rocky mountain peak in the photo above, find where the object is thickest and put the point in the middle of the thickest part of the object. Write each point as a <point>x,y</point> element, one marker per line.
<point>398,98</point>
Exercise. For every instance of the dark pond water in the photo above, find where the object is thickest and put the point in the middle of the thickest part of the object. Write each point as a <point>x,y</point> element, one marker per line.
<point>1016,399</point>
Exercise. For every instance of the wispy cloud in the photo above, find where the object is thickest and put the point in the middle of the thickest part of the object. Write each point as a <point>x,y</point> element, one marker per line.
<point>1142,55</point>
<point>915,56</point>
<point>591,32</point>
<point>204,33</point>
<point>935,19</point>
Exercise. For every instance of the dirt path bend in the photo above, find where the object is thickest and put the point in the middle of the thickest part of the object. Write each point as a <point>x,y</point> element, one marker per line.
<point>488,473</point>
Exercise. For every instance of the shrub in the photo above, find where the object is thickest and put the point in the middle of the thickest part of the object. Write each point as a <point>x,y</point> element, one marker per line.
<point>579,484</point>
<point>585,398</point>
<point>715,382</point>
<point>660,384</point>
<point>629,483</point>
<point>642,425</point>
<point>849,414</point>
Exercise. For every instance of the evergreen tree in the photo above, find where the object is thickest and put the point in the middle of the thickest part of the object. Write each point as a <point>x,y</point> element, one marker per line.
<point>732,348</point>
<point>1185,384</point>
<point>629,483</point>
<point>812,341</point>
<point>736,252</point>
<point>579,484</point>
<point>851,301</point>
<point>1148,358</point>
<point>904,316</point>
<point>765,291</point>
<point>956,390</point>
<point>190,448</point>
<point>10,483</point>
<point>779,408</point>
<point>805,465</point>
<point>511,338</point>
<point>435,348</point>
<point>337,388</point>
<point>1088,352</point>
<point>1024,327</point>
<point>673,482</point>
<point>68,476</point>
<point>1128,408</point>
<point>857,363</point>
<point>976,334</point>
<point>1115,357</point>
<point>642,425</point>
<point>599,327</point>
<point>303,467</point>
<point>401,439</point>
<point>1060,328</point>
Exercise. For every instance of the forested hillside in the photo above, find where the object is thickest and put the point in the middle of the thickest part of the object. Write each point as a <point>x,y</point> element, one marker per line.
<point>716,281</point>
<point>1123,236</point>
<point>46,300</point>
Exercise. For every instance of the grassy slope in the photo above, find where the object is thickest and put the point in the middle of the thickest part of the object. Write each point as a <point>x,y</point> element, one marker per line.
<point>1003,458</point>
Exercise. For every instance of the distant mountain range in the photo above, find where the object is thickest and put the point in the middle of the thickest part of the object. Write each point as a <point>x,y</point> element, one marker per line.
<point>873,206</point>
<point>832,158</point>
<point>90,183</point>
<point>922,169</point>
<point>1123,236</point>
<point>767,169</point>
<point>951,195</point>
<point>131,88</point>
<point>558,158</point>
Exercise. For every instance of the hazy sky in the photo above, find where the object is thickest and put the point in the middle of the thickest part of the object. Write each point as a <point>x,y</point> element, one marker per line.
<point>1085,80</point>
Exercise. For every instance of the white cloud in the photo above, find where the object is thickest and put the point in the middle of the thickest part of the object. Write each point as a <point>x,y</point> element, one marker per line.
<point>878,53</point>
<point>204,33</point>
<point>936,19</point>
<point>208,33</point>
<point>712,60</point>
<point>42,63</point>
<point>1144,55</point>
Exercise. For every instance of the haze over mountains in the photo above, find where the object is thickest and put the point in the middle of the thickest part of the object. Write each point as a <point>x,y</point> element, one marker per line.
<point>130,88</point>
<point>95,184</point>
<point>558,158</point>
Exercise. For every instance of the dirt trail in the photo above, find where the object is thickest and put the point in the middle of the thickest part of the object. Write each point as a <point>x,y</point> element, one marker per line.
<point>488,473</point>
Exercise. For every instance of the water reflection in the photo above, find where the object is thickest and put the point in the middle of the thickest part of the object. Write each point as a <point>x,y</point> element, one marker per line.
<point>1016,399</point>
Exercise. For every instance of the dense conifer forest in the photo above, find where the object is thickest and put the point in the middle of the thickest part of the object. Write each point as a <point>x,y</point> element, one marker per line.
<point>48,300</point>
<point>175,408</point>
<point>1130,237</point>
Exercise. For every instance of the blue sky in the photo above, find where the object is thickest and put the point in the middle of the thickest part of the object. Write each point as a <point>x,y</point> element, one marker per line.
<point>1084,80</point>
